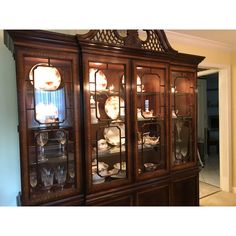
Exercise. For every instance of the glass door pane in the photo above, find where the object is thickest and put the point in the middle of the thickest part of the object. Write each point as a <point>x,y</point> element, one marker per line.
<point>183,113</point>
<point>151,119</point>
<point>108,131</point>
<point>50,126</point>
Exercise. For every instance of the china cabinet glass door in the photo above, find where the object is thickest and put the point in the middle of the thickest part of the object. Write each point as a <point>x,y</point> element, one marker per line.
<point>106,123</point>
<point>150,85</point>
<point>183,117</point>
<point>49,112</point>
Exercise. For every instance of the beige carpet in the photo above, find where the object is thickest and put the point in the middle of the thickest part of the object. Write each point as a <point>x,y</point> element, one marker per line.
<point>219,199</point>
<point>207,189</point>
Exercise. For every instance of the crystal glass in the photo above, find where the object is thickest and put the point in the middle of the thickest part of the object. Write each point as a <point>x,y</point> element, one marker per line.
<point>184,152</point>
<point>72,173</point>
<point>61,176</point>
<point>33,179</point>
<point>47,178</point>
<point>179,124</point>
<point>61,138</point>
<point>178,155</point>
<point>42,139</point>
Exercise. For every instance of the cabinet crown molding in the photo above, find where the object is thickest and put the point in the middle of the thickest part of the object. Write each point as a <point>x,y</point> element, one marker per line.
<point>151,40</point>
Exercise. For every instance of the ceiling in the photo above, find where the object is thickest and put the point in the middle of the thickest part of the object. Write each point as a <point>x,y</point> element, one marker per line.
<point>227,37</point>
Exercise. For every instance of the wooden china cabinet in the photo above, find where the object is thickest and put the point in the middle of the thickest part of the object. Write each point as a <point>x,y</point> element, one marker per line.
<point>105,118</point>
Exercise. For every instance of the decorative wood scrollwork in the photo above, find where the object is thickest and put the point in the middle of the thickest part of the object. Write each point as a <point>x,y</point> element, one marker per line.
<point>156,39</point>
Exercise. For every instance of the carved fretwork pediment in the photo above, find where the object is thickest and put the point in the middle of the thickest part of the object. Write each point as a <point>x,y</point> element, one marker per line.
<point>152,40</point>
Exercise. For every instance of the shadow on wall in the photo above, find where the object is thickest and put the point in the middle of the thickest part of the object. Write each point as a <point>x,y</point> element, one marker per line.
<point>9,144</point>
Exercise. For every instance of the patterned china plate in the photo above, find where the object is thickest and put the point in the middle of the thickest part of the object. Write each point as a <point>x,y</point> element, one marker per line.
<point>112,134</point>
<point>114,105</point>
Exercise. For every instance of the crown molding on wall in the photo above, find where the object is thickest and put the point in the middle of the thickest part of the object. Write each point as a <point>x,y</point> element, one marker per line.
<point>194,40</point>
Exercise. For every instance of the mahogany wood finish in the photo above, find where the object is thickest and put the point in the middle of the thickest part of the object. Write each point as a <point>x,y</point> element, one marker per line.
<point>30,49</point>
<point>168,89</point>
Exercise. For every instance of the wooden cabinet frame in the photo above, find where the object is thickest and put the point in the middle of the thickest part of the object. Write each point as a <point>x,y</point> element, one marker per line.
<point>131,51</point>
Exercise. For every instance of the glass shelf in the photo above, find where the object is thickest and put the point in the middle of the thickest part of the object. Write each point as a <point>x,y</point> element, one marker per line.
<point>182,94</point>
<point>155,119</point>
<point>150,93</point>
<point>107,92</point>
<point>114,151</point>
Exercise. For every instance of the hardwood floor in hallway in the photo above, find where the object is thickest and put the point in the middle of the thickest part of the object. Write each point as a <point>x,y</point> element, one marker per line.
<point>219,199</point>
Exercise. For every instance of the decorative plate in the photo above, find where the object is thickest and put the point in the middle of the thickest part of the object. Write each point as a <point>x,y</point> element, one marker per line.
<point>101,81</point>
<point>112,107</point>
<point>45,77</point>
<point>112,134</point>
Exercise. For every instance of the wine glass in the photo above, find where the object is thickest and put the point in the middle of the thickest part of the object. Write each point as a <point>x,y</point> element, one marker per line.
<point>61,138</point>
<point>178,155</point>
<point>47,178</point>
<point>61,176</point>
<point>33,179</point>
<point>72,173</point>
<point>42,139</point>
<point>179,124</point>
<point>184,152</point>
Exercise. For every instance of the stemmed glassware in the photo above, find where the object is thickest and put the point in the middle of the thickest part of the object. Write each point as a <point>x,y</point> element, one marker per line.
<point>178,155</point>
<point>33,179</point>
<point>61,138</point>
<point>179,124</point>
<point>61,176</point>
<point>47,178</point>
<point>184,152</point>
<point>72,173</point>
<point>42,139</point>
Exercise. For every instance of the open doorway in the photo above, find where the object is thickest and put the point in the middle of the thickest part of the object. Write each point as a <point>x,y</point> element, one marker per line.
<point>225,126</point>
<point>208,128</point>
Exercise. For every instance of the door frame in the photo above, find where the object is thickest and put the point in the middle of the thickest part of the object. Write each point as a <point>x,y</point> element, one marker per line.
<point>225,125</point>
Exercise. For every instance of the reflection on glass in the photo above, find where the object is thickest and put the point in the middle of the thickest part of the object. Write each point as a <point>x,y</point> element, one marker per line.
<point>50,106</point>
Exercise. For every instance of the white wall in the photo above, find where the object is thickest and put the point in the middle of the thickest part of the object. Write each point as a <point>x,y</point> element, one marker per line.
<point>9,145</point>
